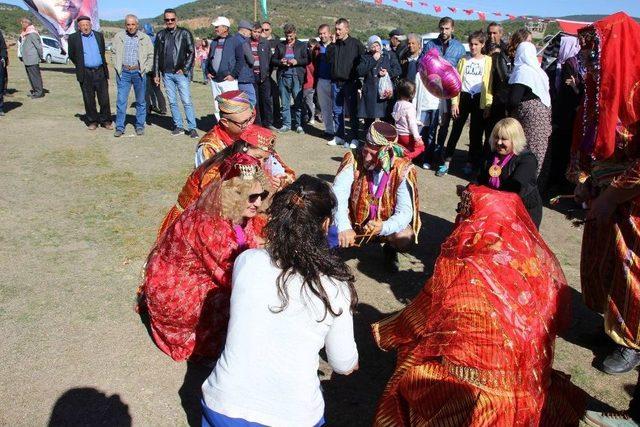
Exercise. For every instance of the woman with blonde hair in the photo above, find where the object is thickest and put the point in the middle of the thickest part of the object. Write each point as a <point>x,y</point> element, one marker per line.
<point>512,167</point>
<point>187,283</point>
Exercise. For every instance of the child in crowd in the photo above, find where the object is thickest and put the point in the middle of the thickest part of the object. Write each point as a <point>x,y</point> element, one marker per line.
<point>474,100</point>
<point>309,88</point>
<point>404,114</point>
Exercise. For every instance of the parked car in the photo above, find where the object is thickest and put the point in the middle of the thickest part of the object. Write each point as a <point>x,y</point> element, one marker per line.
<point>52,52</point>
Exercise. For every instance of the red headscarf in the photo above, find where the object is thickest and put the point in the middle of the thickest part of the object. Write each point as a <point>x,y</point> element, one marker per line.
<point>612,95</point>
<point>259,137</point>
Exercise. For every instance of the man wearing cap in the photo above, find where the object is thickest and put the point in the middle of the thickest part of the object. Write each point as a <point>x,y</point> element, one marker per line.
<point>86,51</point>
<point>173,58</point>
<point>227,62</point>
<point>376,189</point>
<point>255,141</point>
<point>132,52</point>
<point>398,42</point>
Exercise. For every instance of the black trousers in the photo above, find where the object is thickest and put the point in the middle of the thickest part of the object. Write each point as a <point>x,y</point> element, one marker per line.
<point>468,106</point>
<point>3,83</point>
<point>275,102</point>
<point>94,84</point>
<point>154,97</point>
<point>265,103</point>
<point>35,79</point>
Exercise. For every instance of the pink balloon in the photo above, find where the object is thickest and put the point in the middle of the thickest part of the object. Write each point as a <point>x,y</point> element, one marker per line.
<point>439,77</point>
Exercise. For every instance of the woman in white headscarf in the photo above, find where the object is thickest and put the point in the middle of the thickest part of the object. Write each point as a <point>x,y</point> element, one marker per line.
<point>374,65</point>
<point>530,103</point>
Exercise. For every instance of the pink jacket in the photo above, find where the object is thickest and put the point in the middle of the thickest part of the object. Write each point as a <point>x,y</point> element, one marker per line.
<point>404,113</point>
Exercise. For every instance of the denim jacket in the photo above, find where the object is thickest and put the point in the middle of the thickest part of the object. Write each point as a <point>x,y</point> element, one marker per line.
<point>453,52</point>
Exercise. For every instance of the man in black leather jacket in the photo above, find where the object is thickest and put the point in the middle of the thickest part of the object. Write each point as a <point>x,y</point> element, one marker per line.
<point>173,58</point>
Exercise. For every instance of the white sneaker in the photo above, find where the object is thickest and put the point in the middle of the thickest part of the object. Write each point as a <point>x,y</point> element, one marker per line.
<point>336,141</point>
<point>426,166</point>
<point>312,122</point>
<point>354,144</point>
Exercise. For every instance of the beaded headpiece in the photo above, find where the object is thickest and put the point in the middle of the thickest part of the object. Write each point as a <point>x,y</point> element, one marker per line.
<point>233,102</point>
<point>259,137</point>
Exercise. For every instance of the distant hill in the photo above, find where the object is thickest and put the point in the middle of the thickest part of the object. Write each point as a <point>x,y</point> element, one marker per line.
<point>10,16</point>
<point>366,18</point>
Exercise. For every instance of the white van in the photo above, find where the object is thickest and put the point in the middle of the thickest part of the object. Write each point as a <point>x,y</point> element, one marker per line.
<point>51,51</point>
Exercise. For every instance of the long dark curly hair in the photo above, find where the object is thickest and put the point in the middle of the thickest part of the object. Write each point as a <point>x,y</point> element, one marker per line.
<point>297,241</point>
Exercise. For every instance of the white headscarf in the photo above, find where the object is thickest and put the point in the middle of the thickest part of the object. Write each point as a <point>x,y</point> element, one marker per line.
<point>372,40</point>
<point>527,71</point>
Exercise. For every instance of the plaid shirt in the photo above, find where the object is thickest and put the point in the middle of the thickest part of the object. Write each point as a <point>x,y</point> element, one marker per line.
<point>130,57</point>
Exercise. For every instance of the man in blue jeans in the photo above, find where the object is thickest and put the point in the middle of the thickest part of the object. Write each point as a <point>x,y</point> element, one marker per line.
<point>344,55</point>
<point>132,52</point>
<point>291,57</point>
<point>173,57</point>
<point>451,50</point>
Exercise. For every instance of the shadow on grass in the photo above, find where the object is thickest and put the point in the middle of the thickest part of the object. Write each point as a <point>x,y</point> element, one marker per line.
<point>64,70</point>
<point>407,282</point>
<point>351,400</point>
<point>87,406</point>
<point>10,106</point>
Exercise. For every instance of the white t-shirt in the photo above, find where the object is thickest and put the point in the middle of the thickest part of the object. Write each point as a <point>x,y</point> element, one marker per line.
<point>267,372</point>
<point>472,76</point>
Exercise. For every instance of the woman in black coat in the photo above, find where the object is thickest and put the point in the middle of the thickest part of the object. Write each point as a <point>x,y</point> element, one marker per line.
<point>373,65</point>
<point>512,167</point>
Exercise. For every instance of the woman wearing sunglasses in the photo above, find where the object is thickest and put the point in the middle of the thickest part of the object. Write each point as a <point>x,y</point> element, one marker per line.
<point>256,142</point>
<point>187,283</point>
<point>290,300</point>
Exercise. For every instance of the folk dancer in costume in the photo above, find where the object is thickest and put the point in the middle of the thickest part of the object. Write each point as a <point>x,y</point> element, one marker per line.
<point>475,347</point>
<point>606,164</point>
<point>236,115</point>
<point>256,142</point>
<point>187,283</point>
<point>377,194</point>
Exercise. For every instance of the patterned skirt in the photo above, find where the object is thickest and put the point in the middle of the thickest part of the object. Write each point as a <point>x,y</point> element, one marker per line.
<point>610,273</point>
<point>535,119</point>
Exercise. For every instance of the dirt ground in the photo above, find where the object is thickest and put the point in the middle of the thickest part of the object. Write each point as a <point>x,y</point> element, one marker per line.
<point>78,214</point>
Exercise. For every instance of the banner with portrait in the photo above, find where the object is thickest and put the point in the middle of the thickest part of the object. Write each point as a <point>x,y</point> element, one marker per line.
<point>59,16</point>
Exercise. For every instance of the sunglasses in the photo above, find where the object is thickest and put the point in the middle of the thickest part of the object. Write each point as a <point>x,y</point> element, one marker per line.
<point>243,124</point>
<point>169,19</point>
<point>262,196</point>
<point>266,30</point>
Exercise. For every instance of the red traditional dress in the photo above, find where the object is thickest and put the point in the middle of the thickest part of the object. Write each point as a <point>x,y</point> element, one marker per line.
<point>214,141</point>
<point>475,347</point>
<point>208,172</point>
<point>607,153</point>
<point>187,284</point>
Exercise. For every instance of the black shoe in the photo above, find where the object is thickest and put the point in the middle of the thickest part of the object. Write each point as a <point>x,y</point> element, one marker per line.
<point>193,133</point>
<point>177,132</point>
<point>622,359</point>
<point>390,258</point>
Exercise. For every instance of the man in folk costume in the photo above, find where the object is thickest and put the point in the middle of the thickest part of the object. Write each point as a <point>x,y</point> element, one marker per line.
<point>236,115</point>
<point>606,163</point>
<point>377,194</point>
<point>255,141</point>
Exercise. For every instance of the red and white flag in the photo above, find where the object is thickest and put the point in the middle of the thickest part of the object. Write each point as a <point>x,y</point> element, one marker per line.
<point>437,8</point>
<point>497,13</point>
<point>511,17</point>
<point>424,3</point>
<point>482,16</point>
<point>452,9</point>
<point>468,11</point>
<point>409,3</point>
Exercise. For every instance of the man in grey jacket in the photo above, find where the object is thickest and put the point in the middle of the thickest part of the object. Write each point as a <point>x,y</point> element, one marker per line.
<point>31,55</point>
<point>133,58</point>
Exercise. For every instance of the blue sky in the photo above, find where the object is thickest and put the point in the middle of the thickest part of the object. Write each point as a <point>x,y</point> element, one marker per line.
<point>116,9</point>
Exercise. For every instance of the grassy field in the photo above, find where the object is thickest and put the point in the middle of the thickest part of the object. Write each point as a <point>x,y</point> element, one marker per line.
<point>78,214</point>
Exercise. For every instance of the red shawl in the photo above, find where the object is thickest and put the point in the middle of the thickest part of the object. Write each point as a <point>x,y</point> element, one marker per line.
<point>187,285</point>
<point>612,94</point>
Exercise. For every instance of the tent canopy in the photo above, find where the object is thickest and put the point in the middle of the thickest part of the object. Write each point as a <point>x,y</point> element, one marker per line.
<point>571,27</point>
